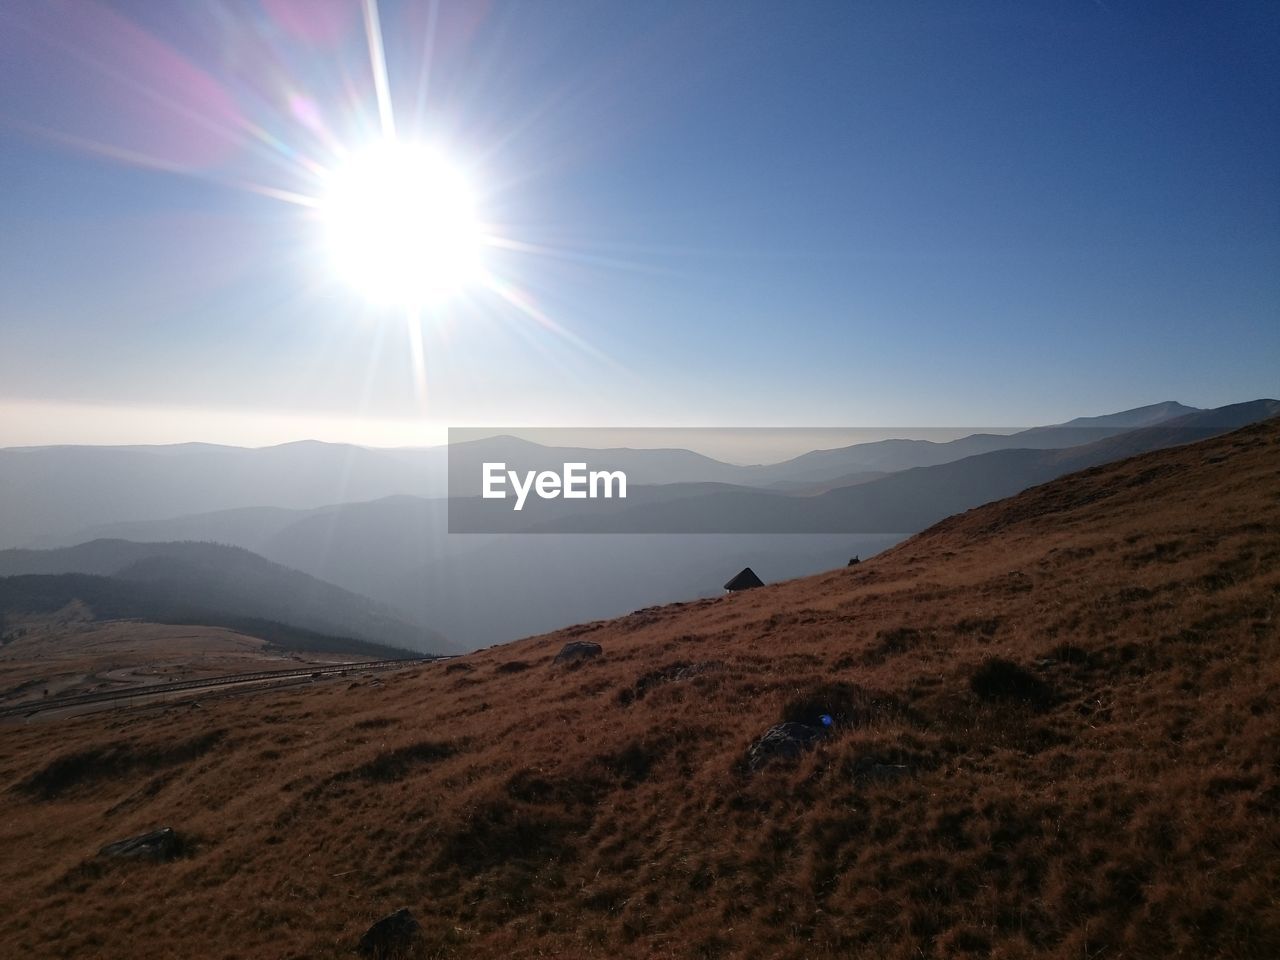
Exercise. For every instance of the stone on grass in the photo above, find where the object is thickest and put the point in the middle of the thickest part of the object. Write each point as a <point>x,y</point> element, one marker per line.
<point>391,936</point>
<point>159,844</point>
<point>576,650</point>
<point>783,741</point>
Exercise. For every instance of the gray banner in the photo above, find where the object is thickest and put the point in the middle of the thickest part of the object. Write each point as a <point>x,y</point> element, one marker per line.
<point>759,480</point>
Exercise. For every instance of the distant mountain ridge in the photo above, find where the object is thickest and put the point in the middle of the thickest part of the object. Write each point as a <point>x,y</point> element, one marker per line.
<point>67,494</point>
<point>668,466</point>
<point>195,579</point>
<point>1148,416</point>
<point>486,588</point>
<point>904,501</point>
<point>50,493</point>
<point>895,455</point>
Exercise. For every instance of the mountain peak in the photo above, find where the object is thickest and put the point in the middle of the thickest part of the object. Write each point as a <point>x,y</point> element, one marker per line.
<point>1147,416</point>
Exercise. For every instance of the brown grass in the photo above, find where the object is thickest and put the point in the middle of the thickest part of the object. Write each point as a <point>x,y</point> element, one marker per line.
<point>1057,737</point>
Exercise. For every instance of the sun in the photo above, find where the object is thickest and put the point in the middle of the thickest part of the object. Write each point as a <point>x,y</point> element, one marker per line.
<point>401,226</point>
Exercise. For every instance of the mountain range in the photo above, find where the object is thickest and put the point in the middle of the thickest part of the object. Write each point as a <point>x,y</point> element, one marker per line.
<point>55,496</point>
<point>672,540</point>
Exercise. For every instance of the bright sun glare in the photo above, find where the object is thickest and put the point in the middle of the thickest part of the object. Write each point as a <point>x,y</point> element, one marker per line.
<point>401,225</point>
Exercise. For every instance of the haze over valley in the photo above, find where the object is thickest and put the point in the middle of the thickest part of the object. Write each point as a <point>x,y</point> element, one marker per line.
<point>438,592</point>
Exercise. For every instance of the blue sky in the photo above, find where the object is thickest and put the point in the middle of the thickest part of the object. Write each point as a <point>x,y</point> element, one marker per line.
<point>730,214</point>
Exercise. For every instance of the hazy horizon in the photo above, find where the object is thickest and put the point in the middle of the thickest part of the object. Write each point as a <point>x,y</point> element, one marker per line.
<point>35,424</point>
<point>742,444</point>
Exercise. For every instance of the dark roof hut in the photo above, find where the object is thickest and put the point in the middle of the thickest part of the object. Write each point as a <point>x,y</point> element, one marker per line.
<point>746,580</point>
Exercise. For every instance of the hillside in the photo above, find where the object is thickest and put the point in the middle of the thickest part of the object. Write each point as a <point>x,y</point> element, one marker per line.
<point>196,583</point>
<point>1055,735</point>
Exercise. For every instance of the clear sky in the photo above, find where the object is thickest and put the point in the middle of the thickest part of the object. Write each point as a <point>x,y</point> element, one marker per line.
<point>734,213</point>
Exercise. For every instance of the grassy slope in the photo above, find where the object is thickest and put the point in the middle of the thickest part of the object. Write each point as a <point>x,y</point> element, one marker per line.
<point>1125,807</point>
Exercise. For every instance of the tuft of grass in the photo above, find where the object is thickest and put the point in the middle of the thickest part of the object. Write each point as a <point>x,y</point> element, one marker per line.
<point>513,666</point>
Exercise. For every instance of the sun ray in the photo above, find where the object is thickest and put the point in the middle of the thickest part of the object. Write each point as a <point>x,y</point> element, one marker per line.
<point>145,161</point>
<point>428,53</point>
<point>401,234</point>
<point>524,303</point>
<point>378,61</point>
<point>418,359</point>
<point>493,238</point>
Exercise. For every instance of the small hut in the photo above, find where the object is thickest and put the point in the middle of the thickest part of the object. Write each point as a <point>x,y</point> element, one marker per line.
<point>746,580</point>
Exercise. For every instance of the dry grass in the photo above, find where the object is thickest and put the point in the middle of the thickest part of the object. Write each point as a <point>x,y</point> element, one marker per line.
<point>1056,737</point>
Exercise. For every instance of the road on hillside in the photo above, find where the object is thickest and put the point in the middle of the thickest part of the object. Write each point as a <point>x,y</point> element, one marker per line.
<point>263,679</point>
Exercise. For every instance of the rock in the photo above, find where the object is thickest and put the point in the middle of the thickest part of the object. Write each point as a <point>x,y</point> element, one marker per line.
<point>785,741</point>
<point>576,650</point>
<point>159,844</point>
<point>390,936</point>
